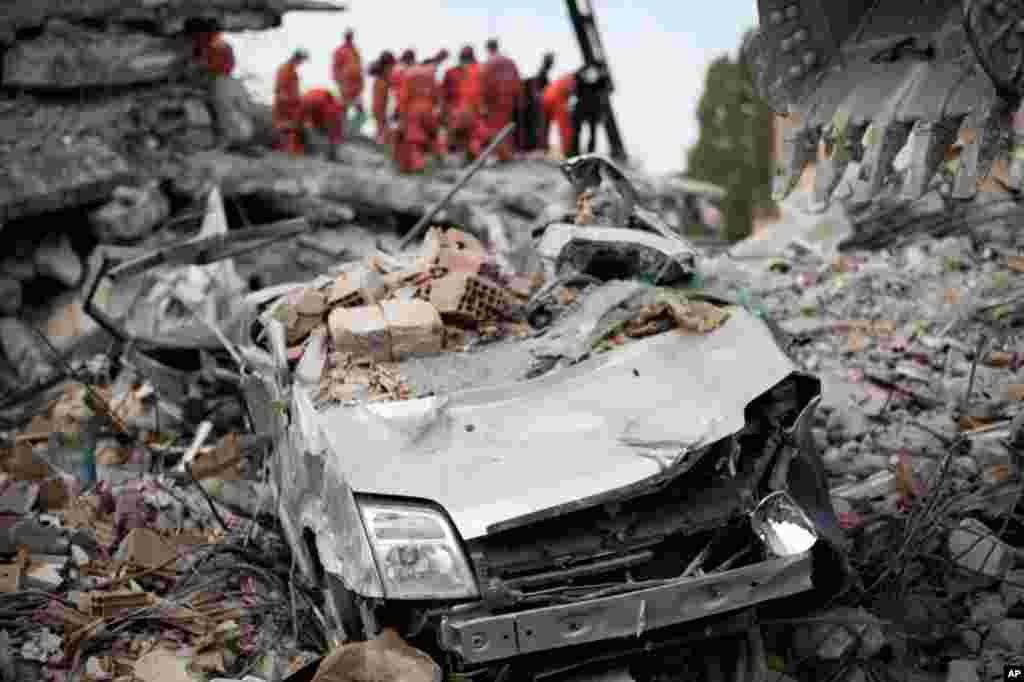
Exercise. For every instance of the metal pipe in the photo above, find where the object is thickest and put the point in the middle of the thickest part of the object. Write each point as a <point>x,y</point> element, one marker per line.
<point>422,223</point>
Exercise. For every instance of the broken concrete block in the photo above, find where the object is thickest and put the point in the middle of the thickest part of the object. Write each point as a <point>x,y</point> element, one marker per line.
<point>233,108</point>
<point>1008,635</point>
<point>10,296</point>
<point>415,328</point>
<point>132,214</point>
<point>361,331</point>
<point>1012,589</point>
<point>468,297</point>
<point>616,253</point>
<point>70,57</point>
<point>353,289</point>
<point>56,258</point>
<point>963,670</point>
<point>58,176</point>
<point>975,548</point>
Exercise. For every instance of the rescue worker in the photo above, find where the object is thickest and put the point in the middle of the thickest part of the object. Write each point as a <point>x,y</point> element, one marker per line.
<point>500,89</point>
<point>287,112</point>
<point>419,127</point>
<point>530,121</point>
<point>450,86</point>
<point>405,62</point>
<point>592,87</point>
<point>210,49</point>
<point>463,105</point>
<point>347,72</point>
<point>381,70</point>
<point>325,115</point>
<point>557,110</point>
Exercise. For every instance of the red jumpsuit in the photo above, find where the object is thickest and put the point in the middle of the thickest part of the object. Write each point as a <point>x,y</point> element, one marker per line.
<point>322,111</point>
<point>556,109</point>
<point>380,107</point>
<point>462,122</point>
<point>500,87</point>
<point>395,78</point>
<point>287,111</point>
<point>450,85</point>
<point>347,72</point>
<point>217,54</point>
<point>419,125</point>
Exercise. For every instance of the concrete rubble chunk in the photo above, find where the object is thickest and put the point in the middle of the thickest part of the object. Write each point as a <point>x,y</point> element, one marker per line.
<point>963,670</point>
<point>22,349</point>
<point>361,331</point>
<point>70,57</point>
<point>974,547</point>
<point>1008,635</point>
<point>10,296</point>
<point>612,252</point>
<point>1012,589</point>
<point>415,328</point>
<point>57,176</point>
<point>56,258</point>
<point>169,16</point>
<point>132,214</point>
<point>987,609</point>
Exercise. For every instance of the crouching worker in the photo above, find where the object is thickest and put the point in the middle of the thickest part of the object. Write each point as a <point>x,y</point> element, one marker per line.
<point>324,117</point>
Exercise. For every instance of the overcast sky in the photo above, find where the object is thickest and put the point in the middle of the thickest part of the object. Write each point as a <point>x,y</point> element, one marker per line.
<point>658,51</point>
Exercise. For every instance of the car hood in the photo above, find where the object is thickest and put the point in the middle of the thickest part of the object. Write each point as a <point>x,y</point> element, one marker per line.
<point>493,454</point>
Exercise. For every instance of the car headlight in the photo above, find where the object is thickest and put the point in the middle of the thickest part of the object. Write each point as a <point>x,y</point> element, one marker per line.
<point>783,527</point>
<point>418,553</point>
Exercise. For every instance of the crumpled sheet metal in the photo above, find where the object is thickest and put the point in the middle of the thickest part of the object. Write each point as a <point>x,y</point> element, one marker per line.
<point>316,495</point>
<point>640,253</point>
<point>496,453</point>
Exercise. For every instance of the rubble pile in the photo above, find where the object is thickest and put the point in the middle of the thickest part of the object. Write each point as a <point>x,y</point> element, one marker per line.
<point>99,104</point>
<point>116,565</point>
<point>918,348</point>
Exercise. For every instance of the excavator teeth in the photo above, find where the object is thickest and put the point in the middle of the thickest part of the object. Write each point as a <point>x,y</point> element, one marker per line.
<point>929,141</point>
<point>882,142</point>
<point>799,148</point>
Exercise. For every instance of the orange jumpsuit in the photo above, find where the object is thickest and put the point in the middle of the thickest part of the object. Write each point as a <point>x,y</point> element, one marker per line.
<point>450,85</point>
<point>500,87</point>
<point>395,78</point>
<point>347,72</point>
<point>419,125</point>
<point>322,111</point>
<point>380,107</point>
<point>556,109</point>
<point>462,122</point>
<point>287,111</point>
<point>217,54</point>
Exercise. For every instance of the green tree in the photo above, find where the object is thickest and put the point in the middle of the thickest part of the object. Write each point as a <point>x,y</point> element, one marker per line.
<point>734,146</point>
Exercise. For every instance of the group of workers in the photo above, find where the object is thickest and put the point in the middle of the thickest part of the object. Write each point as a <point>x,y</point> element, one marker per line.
<point>419,115</point>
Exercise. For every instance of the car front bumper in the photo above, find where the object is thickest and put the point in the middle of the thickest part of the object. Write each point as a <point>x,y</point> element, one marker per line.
<point>478,639</point>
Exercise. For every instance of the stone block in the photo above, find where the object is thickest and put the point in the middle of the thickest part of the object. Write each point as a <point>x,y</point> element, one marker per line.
<point>361,331</point>
<point>975,548</point>
<point>415,328</point>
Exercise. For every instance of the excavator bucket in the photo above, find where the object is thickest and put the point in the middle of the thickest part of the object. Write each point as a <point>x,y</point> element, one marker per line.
<point>878,82</point>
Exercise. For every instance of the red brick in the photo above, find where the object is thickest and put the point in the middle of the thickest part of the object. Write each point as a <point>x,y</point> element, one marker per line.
<point>414,326</point>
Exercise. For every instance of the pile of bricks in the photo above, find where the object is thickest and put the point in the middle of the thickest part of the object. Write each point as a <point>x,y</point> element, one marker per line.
<point>386,317</point>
